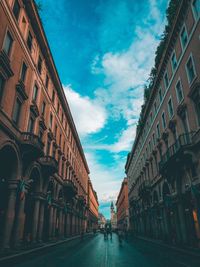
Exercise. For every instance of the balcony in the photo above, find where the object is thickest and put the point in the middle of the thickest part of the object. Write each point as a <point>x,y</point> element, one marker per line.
<point>144,189</point>
<point>175,152</point>
<point>70,189</point>
<point>31,145</point>
<point>81,201</point>
<point>49,164</point>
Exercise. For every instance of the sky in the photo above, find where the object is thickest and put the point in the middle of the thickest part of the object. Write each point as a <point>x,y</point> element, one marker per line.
<point>104,51</point>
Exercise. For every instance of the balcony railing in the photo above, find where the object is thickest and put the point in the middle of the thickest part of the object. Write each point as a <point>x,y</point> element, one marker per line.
<point>28,138</point>
<point>69,188</point>
<point>183,141</point>
<point>144,188</point>
<point>49,163</point>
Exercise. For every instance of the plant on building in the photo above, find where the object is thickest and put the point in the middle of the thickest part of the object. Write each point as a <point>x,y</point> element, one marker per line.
<point>170,15</point>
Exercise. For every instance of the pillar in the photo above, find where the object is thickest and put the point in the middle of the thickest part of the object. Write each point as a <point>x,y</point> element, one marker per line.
<point>19,227</point>
<point>41,221</point>
<point>51,221</point>
<point>10,214</point>
<point>54,222</point>
<point>35,219</point>
<point>183,227</point>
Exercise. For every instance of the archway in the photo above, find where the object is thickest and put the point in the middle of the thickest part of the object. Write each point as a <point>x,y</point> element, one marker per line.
<point>9,170</point>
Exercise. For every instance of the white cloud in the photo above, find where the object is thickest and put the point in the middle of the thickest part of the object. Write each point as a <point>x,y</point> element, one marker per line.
<point>88,115</point>
<point>105,179</point>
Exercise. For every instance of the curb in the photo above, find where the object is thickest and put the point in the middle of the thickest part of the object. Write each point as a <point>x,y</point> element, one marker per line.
<point>186,250</point>
<point>15,258</point>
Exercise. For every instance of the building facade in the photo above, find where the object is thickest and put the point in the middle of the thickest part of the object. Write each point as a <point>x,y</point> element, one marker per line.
<point>122,207</point>
<point>43,172</point>
<point>163,167</point>
<point>101,221</point>
<point>93,208</point>
<point>113,216</point>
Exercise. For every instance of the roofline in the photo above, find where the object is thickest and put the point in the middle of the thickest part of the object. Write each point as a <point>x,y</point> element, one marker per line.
<point>36,23</point>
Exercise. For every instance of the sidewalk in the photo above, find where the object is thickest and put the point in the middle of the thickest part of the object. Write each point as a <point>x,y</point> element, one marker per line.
<point>17,255</point>
<point>186,250</point>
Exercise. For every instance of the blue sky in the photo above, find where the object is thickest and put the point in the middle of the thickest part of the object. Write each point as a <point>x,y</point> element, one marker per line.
<point>104,50</point>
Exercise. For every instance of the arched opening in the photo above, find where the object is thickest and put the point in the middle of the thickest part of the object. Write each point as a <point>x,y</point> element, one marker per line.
<point>29,208</point>
<point>8,171</point>
<point>47,215</point>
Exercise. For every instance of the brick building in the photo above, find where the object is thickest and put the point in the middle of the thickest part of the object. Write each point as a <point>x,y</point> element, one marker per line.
<point>43,171</point>
<point>122,207</point>
<point>163,167</point>
<point>93,208</point>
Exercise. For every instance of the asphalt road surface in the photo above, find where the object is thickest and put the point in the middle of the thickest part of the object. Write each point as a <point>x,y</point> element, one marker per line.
<point>97,252</point>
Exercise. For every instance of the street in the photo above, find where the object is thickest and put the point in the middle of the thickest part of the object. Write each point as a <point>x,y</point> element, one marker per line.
<point>97,252</point>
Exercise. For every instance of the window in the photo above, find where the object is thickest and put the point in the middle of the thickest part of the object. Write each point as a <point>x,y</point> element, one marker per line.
<point>196,8</point>
<point>150,149</point>
<point>2,83</point>
<point>53,96</point>
<point>173,61</point>
<point>48,147</point>
<point>158,130</point>
<point>166,80</point>
<point>190,70</point>
<point>160,95</point>
<point>179,91</point>
<point>60,139</point>
<point>35,92</point>
<point>23,72</point>
<point>151,117</point>
<point>17,111</point>
<point>58,108</point>
<point>56,129</point>
<point>51,120</point>
<point>39,66</point>
<point>31,125</point>
<point>154,140</point>
<point>196,100</point>
<point>184,37</point>
<point>155,108</point>
<point>163,120</point>
<point>47,81</point>
<point>8,43</point>
<point>29,40</point>
<point>43,108</point>
<point>170,108</point>
<point>16,9</point>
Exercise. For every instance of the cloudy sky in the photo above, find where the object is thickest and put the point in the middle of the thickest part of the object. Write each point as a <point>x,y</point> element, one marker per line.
<point>104,50</point>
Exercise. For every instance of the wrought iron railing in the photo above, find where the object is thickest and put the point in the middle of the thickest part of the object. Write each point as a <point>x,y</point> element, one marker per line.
<point>182,141</point>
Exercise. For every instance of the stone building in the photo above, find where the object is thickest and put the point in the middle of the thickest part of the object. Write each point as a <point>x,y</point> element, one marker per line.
<point>163,167</point>
<point>122,207</point>
<point>43,171</point>
<point>113,216</point>
<point>93,208</point>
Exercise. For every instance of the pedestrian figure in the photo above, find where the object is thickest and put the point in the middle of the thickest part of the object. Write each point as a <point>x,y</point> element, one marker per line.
<point>120,236</point>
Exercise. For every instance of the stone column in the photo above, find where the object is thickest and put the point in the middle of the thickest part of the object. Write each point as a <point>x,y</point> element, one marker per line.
<point>60,223</point>
<point>63,224</point>
<point>10,214</point>
<point>54,222</point>
<point>182,223</point>
<point>35,219</point>
<point>41,221</point>
<point>51,212</point>
<point>20,220</point>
